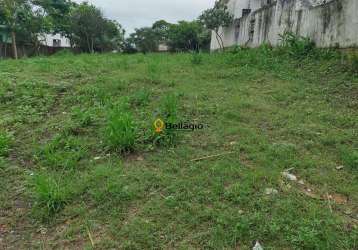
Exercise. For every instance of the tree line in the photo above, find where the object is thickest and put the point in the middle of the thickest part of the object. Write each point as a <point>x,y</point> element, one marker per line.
<point>182,36</point>
<point>85,26</point>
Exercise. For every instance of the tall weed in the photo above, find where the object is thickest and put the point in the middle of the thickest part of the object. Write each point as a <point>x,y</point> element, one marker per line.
<point>120,132</point>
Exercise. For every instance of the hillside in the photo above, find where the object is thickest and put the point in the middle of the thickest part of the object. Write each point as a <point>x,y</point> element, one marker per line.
<point>81,165</point>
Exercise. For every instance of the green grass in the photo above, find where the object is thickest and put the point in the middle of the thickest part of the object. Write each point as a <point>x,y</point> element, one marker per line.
<point>79,155</point>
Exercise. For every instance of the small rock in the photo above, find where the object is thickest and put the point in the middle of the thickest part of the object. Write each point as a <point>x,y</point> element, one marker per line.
<point>257,246</point>
<point>301,182</point>
<point>270,191</point>
<point>97,158</point>
<point>289,176</point>
<point>309,190</point>
<point>339,167</point>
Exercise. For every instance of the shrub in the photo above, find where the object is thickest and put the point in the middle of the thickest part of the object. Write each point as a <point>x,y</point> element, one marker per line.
<point>296,46</point>
<point>4,143</point>
<point>120,131</point>
<point>50,193</point>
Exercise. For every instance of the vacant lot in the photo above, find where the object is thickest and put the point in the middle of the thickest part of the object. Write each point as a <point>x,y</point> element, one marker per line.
<point>82,167</point>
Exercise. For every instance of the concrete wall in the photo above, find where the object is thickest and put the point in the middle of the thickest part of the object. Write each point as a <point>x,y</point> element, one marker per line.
<point>329,23</point>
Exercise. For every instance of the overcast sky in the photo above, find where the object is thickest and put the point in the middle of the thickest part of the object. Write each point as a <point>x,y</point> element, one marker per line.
<point>139,13</point>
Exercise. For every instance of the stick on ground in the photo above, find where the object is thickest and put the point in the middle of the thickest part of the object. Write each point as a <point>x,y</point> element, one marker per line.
<point>211,156</point>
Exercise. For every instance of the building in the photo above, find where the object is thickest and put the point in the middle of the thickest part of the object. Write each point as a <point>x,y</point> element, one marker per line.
<point>49,44</point>
<point>163,47</point>
<point>329,23</point>
<point>55,41</point>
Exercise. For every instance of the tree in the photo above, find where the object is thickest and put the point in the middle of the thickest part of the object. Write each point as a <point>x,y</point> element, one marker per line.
<point>188,36</point>
<point>35,22</point>
<point>112,36</point>
<point>58,15</point>
<point>161,28</point>
<point>13,13</point>
<point>145,40</point>
<point>91,32</point>
<point>215,18</point>
<point>86,23</point>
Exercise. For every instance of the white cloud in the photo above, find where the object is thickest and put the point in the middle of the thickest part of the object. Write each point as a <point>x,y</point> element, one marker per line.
<point>139,13</point>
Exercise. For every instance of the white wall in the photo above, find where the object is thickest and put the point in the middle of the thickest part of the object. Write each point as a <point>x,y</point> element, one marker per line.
<point>47,40</point>
<point>327,24</point>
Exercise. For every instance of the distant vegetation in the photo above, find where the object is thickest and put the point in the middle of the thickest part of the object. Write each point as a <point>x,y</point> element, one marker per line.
<point>25,21</point>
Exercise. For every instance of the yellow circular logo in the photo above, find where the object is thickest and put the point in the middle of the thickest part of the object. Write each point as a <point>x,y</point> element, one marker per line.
<point>159,125</point>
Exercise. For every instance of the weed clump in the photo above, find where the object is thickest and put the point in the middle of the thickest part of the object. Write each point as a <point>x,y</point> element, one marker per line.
<point>196,58</point>
<point>140,98</point>
<point>84,118</point>
<point>50,193</point>
<point>350,158</point>
<point>153,72</point>
<point>120,132</point>
<point>63,152</point>
<point>169,114</point>
<point>5,141</point>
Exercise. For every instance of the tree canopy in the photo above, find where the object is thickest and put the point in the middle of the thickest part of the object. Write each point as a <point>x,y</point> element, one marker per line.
<point>215,18</point>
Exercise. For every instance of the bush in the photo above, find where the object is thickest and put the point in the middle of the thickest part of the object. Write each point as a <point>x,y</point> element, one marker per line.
<point>120,132</point>
<point>296,46</point>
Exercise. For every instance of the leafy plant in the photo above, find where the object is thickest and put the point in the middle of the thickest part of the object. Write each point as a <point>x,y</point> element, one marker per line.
<point>297,46</point>
<point>215,18</point>
<point>120,132</point>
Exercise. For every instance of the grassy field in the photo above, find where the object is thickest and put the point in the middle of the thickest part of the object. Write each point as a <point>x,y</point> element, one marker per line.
<point>82,167</point>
